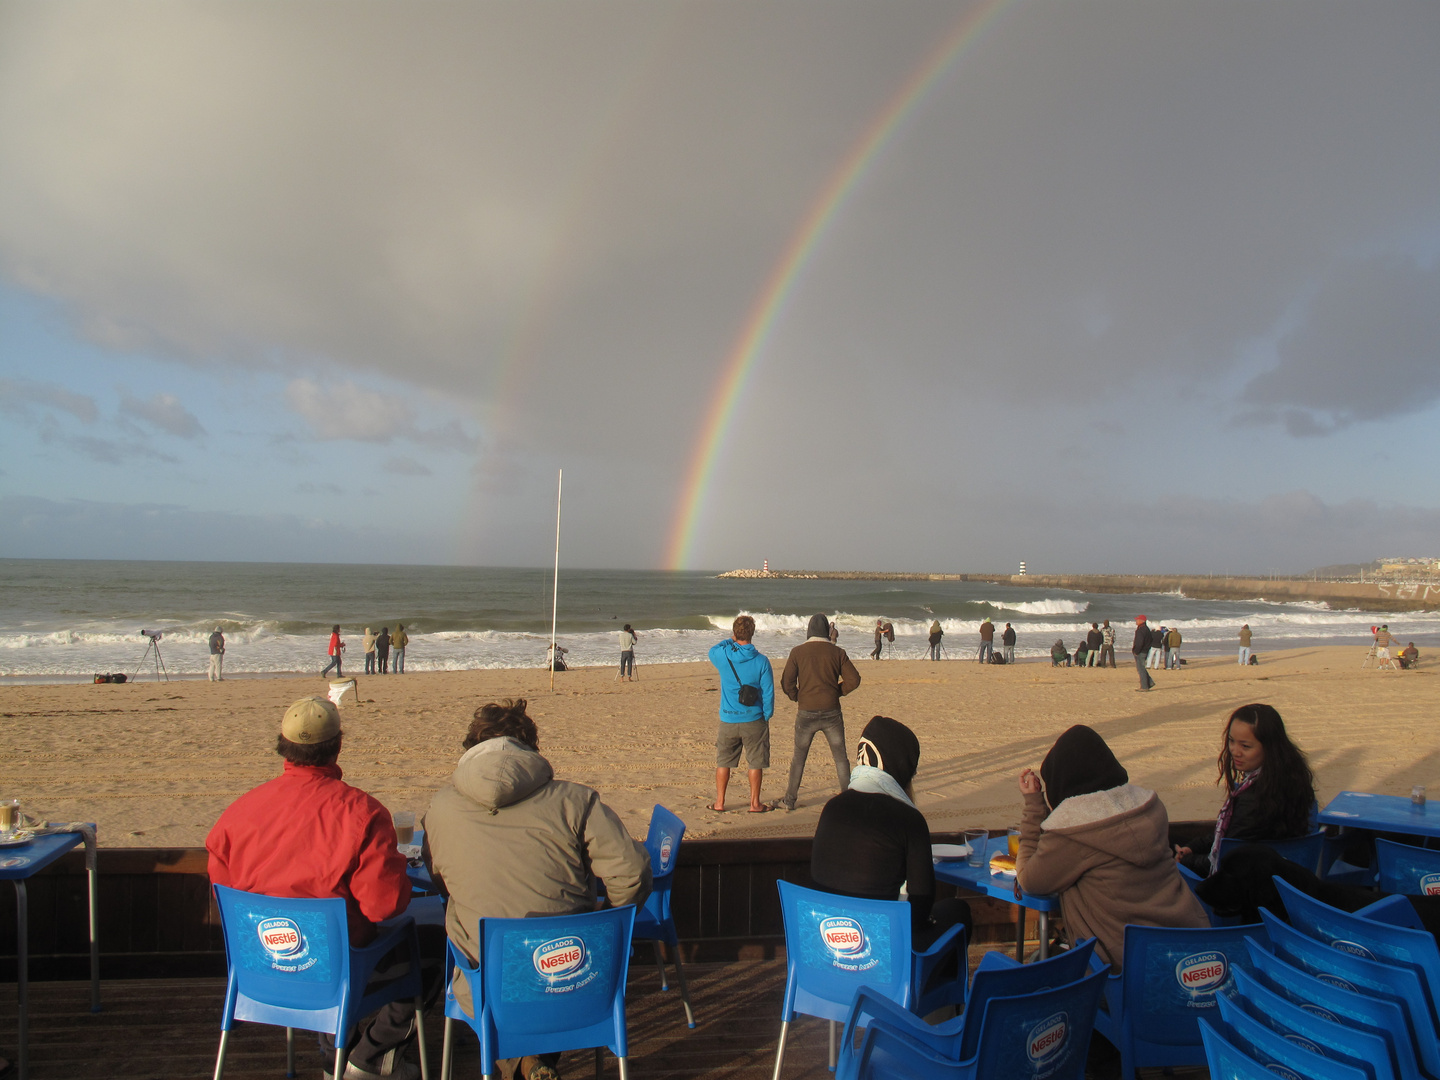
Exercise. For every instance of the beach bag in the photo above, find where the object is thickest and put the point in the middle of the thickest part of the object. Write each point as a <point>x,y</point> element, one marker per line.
<point>749,695</point>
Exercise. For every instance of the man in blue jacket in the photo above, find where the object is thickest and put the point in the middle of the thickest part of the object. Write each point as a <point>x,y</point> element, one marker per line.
<point>744,675</point>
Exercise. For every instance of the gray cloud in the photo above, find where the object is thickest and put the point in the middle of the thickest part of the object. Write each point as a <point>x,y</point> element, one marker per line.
<point>17,394</point>
<point>345,410</point>
<point>105,451</point>
<point>32,527</point>
<point>164,413</point>
<point>1369,348</point>
<point>405,466</point>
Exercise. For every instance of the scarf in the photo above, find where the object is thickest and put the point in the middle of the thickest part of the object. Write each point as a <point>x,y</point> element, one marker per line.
<point>875,781</point>
<point>1222,822</point>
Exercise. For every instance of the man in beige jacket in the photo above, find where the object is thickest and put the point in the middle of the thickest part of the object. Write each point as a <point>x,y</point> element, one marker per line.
<point>505,839</point>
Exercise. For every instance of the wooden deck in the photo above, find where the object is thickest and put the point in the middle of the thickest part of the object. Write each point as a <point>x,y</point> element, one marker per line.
<point>169,1028</point>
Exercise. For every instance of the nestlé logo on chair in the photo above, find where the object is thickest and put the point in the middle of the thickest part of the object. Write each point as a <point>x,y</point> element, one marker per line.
<point>284,943</point>
<point>667,846</point>
<point>1047,1038</point>
<point>1201,974</point>
<point>1430,885</point>
<point>564,964</point>
<point>845,939</point>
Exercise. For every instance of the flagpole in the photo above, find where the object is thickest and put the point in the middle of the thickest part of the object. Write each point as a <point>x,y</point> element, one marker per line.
<point>555,594</point>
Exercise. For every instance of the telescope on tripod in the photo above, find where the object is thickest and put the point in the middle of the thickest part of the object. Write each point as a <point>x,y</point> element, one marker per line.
<point>154,637</point>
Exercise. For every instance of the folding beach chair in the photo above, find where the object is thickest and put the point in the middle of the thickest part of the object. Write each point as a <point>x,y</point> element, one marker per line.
<point>291,964</point>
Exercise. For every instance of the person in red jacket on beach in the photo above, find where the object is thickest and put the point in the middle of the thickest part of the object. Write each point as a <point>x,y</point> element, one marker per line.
<point>307,833</point>
<point>337,647</point>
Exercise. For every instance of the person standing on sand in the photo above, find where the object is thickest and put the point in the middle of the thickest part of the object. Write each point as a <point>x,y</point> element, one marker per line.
<point>1156,640</point>
<point>817,675</point>
<point>987,640</point>
<point>747,702</point>
<point>1107,643</point>
<point>1140,648</point>
<point>1383,639</point>
<point>398,641</point>
<point>879,639</point>
<point>936,635</point>
<point>1172,643</point>
<point>628,637</point>
<point>1244,644</point>
<point>1094,642</point>
<point>1007,642</point>
<point>337,647</point>
<point>217,656</point>
<point>369,646</point>
<point>382,651</point>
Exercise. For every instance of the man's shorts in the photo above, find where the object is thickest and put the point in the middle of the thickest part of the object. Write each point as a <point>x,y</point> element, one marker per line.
<point>754,735</point>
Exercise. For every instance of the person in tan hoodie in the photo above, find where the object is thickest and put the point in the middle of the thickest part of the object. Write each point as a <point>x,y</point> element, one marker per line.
<point>817,675</point>
<point>1102,843</point>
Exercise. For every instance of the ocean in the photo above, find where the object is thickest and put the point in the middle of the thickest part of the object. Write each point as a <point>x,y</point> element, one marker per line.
<point>62,620</point>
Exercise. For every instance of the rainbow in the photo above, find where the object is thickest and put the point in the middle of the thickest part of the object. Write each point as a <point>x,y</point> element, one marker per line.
<point>740,363</point>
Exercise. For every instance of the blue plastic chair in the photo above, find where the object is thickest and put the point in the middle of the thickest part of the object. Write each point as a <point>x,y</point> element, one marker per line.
<point>543,985</point>
<point>1407,870</point>
<point>1226,1060</point>
<point>1369,938</point>
<point>1278,1055</point>
<point>1358,1012</point>
<point>1365,1050</point>
<point>836,944</point>
<point>1044,1034</point>
<point>1170,980</point>
<point>654,922</point>
<point>997,976</point>
<point>1350,972</point>
<point>291,965</point>
<point>1305,850</point>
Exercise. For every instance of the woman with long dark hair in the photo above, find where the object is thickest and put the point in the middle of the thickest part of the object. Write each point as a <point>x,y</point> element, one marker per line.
<point>1270,790</point>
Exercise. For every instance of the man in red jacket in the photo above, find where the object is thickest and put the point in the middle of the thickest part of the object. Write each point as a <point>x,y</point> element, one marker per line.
<point>307,833</point>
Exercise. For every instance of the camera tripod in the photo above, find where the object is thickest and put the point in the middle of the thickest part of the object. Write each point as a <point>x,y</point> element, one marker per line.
<point>154,647</point>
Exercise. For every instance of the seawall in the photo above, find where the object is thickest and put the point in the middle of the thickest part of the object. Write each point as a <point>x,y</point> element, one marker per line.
<point>1377,596</point>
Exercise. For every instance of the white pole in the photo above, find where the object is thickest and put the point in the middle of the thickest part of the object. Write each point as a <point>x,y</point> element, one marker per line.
<point>555,594</point>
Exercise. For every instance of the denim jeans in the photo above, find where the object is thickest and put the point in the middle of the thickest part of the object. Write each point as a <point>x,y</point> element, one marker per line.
<point>399,665</point>
<point>1145,681</point>
<point>808,724</point>
<point>335,664</point>
<point>1009,653</point>
<point>987,648</point>
<point>1174,659</point>
<point>370,662</point>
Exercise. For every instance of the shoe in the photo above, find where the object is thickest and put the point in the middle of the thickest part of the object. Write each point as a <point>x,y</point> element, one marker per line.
<point>400,1070</point>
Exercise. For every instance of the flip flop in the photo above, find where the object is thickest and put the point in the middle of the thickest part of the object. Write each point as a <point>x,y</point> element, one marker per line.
<point>764,809</point>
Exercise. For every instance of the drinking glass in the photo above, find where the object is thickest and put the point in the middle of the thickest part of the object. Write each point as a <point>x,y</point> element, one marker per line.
<point>1013,836</point>
<point>404,827</point>
<point>9,815</point>
<point>976,838</point>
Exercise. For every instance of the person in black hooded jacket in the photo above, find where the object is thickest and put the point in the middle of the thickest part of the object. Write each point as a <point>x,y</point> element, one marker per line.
<point>871,839</point>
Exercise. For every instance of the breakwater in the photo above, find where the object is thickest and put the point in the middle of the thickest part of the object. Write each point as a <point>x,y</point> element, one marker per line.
<point>1379,596</point>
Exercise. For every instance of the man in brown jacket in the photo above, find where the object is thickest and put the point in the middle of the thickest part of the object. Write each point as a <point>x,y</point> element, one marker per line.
<point>817,675</point>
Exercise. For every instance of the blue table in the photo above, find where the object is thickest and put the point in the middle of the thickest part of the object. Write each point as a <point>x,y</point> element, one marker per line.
<point>19,863</point>
<point>1383,813</point>
<point>999,887</point>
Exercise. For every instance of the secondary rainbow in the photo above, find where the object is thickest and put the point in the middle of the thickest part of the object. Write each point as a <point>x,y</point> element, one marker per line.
<point>740,362</point>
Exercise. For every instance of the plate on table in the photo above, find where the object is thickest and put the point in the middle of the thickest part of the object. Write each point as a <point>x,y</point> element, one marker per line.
<point>17,837</point>
<point>949,852</point>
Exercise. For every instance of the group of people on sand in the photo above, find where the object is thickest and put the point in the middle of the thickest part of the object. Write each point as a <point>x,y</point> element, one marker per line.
<point>506,838</point>
<point>378,649</point>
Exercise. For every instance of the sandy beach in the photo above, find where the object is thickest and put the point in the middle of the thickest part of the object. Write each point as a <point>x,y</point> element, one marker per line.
<point>155,763</point>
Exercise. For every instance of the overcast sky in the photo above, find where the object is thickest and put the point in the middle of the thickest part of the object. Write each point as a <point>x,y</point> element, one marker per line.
<point>1135,286</point>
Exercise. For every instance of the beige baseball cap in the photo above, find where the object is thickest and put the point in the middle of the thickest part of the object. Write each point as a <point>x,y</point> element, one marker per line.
<point>311,720</point>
